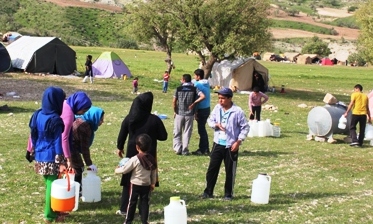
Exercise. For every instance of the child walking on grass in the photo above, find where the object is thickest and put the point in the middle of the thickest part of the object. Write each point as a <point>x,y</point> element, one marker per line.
<point>135,85</point>
<point>143,178</point>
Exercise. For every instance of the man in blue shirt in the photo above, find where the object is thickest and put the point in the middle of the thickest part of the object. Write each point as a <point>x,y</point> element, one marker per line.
<point>203,112</point>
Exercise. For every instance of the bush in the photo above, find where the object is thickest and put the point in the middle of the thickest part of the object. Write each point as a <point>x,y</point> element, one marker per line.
<point>357,59</point>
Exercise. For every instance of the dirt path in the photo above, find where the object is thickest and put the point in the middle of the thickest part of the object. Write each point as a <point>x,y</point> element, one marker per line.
<point>77,3</point>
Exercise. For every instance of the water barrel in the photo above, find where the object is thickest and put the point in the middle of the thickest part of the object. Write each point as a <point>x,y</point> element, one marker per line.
<point>323,121</point>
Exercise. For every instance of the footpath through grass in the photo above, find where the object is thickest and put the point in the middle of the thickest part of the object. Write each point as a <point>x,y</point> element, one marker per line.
<point>312,182</point>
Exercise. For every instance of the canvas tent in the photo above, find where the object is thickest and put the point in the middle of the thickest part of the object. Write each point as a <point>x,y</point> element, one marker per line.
<point>5,63</point>
<point>109,65</point>
<point>42,55</point>
<point>291,56</point>
<point>326,61</point>
<point>307,58</point>
<point>238,73</point>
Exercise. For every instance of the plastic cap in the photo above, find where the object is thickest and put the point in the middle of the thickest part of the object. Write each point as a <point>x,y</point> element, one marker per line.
<point>175,198</point>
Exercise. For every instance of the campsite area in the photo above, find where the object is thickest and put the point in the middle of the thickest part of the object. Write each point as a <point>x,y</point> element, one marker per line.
<point>312,182</point>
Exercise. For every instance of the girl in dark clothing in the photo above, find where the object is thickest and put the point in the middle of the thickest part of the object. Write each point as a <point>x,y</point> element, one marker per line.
<point>138,121</point>
<point>88,69</point>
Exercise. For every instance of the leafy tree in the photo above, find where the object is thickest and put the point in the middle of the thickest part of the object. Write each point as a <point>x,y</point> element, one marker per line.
<point>365,40</point>
<point>151,24</point>
<point>221,29</point>
<point>214,29</point>
<point>316,46</point>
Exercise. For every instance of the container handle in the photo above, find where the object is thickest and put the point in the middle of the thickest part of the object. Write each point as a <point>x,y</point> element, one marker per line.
<point>182,202</point>
<point>269,178</point>
<point>66,174</point>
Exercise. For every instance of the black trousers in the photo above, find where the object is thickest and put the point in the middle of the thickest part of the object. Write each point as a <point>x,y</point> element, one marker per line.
<point>256,113</point>
<point>220,153</point>
<point>141,194</point>
<point>362,121</point>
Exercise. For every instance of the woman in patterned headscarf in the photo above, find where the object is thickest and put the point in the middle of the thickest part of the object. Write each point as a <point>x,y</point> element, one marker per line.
<point>140,120</point>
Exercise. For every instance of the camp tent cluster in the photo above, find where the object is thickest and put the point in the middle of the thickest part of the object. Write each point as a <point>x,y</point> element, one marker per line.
<point>237,74</point>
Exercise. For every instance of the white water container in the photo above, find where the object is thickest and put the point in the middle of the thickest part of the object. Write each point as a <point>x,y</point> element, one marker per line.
<point>65,195</point>
<point>260,189</point>
<point>342,123</point>
<point>368,132</point>
<point>175,212</point>
<point>253,128</point>
<point>91,187</point>
<point>276,131</point>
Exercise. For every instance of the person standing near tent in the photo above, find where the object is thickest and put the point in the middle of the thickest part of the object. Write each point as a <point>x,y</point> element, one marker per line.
<point>202,113</point>
<point>256,100</point>
<point>46,127</point>
<point>139,120</point>
<point>359,105</point>
<point>88,69</point>
<point>185,99</point>
<point>84,128</point>
<point>166,77</point>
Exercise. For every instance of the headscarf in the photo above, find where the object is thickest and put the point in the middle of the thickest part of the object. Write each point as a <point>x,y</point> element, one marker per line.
<point>140,109</point>
<point>52,101</point>
<point>79,101</point>
<point>52,104</point>
<point>92,117</point>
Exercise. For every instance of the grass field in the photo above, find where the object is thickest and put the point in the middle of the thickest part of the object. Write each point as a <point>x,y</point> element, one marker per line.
<point>312,182</point>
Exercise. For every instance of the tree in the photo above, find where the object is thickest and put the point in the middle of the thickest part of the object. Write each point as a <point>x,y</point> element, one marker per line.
<point>214,29</point>
<point>316,46</point>
<point>151,24</point>
<point>365,40</point>
<point>221,29</point>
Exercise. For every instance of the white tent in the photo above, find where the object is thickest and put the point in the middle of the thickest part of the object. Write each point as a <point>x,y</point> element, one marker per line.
<point>237,73</point>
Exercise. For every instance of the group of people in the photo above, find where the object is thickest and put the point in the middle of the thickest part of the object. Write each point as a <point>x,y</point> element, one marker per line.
<point>62,131</point>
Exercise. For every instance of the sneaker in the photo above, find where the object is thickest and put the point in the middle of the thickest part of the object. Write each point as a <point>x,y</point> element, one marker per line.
<point>227,198</point>
<point>119,212</point>
<point>354,144</point>
<point>197,153</point>
<point>205,196</point>
<point>186,153</point>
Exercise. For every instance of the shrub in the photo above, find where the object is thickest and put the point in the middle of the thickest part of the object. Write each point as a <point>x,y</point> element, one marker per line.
<point>357,59</point>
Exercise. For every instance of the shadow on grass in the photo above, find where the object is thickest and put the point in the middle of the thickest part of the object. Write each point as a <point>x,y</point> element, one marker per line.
<point>310,96</point>
<point>263,153</point>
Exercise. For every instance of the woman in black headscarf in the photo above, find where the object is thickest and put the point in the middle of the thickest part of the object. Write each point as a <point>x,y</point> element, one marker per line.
<point>138,121</point>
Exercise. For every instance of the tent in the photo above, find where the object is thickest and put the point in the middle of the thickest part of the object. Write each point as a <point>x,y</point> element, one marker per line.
<point>5,63</point>
<point>238,73</point>
<point>42,55</point>
<point>109,65</point>
<point>326,61</point>
<point>267,55</point>
<point>308,59</point>
<point>291,56</point>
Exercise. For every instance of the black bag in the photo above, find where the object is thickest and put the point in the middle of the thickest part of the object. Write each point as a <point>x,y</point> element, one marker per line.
<point>30,156</point>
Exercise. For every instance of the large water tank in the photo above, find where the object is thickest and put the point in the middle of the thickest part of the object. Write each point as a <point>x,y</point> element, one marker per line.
<point>323,121</point>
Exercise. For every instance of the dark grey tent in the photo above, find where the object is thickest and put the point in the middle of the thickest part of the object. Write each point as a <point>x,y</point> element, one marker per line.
<point>5,63</point>
<point>42,55</point>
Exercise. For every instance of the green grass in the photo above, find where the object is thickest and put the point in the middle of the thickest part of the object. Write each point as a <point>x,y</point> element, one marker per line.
<point>349,22</point>
<point>301,26</point>
<point>312,182</point>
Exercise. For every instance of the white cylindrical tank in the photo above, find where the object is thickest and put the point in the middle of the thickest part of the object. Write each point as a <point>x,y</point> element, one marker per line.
<point>323,121</point>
